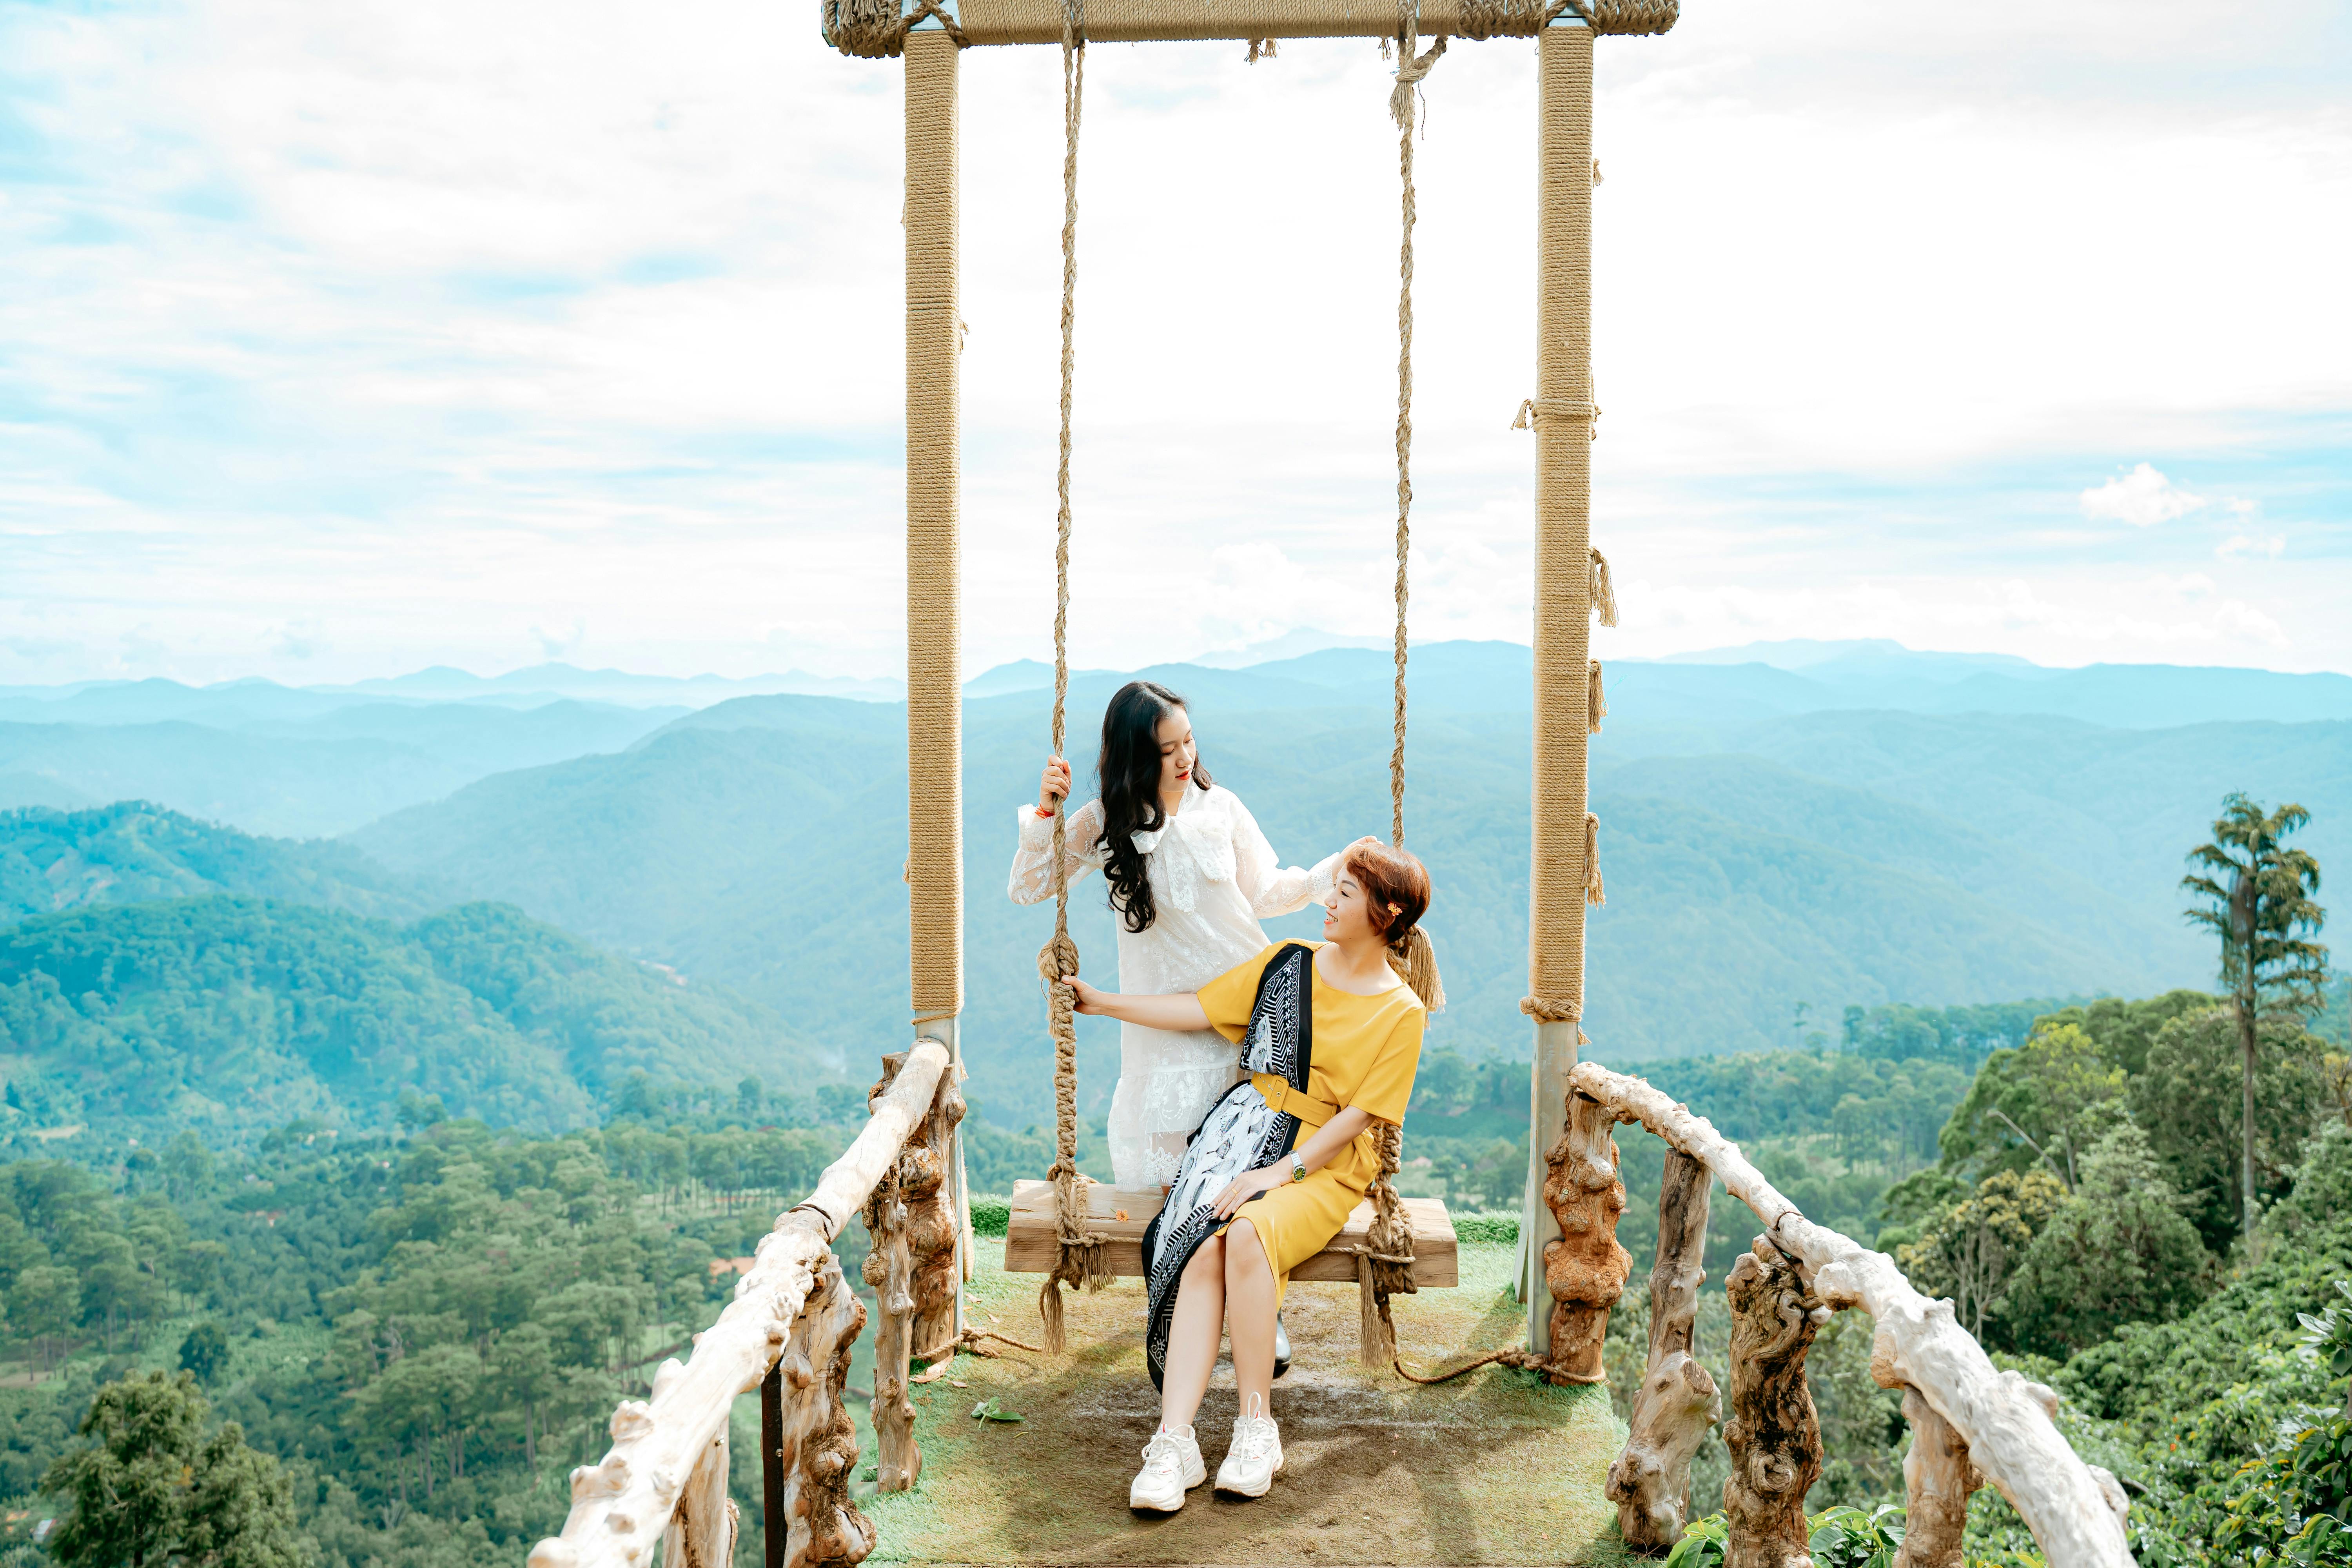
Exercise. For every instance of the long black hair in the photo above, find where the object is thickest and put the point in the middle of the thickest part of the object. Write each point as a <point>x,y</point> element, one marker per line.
<point>1126,772</point>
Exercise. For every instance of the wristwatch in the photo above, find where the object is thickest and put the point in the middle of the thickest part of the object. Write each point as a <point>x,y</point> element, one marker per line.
<point>1298,1168</point>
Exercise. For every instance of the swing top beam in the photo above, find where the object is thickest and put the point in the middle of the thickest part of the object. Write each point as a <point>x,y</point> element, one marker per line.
<point>878,27</point>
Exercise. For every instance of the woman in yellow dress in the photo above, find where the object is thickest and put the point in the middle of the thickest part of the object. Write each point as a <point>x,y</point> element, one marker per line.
<point>1331,1035</point>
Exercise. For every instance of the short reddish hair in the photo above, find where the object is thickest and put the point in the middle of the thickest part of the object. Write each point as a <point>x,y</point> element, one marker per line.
<point>1395,885</point>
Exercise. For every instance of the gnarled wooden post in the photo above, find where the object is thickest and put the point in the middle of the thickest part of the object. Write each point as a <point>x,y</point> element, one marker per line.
<point>1774,1435</point>
<point>701,1533</point>
<point>2075,1512</point>
<point>621,1506</point>
<point>817,1444</point>
<point>927,1186</point>
<point>1584,1267</point>
<point>1650,1481</point>
<point>890,1269</point>
<point>1937,1480</point>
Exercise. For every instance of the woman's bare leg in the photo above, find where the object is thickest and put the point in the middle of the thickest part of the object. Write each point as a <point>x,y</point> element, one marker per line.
<point>1194,1331</point>
<point>1249,1316</point>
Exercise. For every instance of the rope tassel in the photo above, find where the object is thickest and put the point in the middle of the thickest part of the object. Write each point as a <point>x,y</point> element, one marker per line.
<point>1604,595</point>
<point>1594,893</point>
<point>1385,1267</point>
<point>1411,68</point>
<point>1596,707</point>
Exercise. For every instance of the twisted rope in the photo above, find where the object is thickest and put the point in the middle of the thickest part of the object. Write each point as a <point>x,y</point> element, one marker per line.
<point>1080,1257</point>
<point>1481,19</point>
<point>1387,1266</point>
<point>1512,1356</point>
<point>875,29</point>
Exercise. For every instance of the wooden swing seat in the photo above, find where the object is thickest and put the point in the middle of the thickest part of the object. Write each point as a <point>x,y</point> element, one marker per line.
<point>1030,1239</point>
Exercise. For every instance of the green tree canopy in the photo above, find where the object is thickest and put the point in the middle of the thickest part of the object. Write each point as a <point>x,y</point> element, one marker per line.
<point>2123,1030</point>
<point>149,1490</point>
<point>2039,1103</point>
<point>2191,1100</point>
<point>2117,1252</point>
<point>1969,1250</point>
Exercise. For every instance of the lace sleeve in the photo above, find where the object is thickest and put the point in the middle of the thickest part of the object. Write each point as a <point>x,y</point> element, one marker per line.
<point>1272,888</point>
<point>1033,860</point>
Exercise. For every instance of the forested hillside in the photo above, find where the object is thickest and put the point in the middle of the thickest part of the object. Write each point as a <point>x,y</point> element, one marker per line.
<point>421,1333</point>
<point>230,1016</point>
<point>422,1329</point>
<point>132,851</point>
<point>1781,828</point>
<point>1830,859</point>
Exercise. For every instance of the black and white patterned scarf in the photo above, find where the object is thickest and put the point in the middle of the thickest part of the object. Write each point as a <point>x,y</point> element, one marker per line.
<point>1240,1134</point>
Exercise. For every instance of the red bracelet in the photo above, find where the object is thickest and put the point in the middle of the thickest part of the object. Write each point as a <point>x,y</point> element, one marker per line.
<point>1041,811</point>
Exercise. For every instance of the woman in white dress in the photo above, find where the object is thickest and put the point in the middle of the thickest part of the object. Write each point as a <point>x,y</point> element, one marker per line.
<point>1190,876</point>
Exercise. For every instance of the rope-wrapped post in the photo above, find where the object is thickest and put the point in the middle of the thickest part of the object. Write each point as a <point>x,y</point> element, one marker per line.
<point>934,589</point>
<point>1081,1254</point>
<point>934,692</point>
<point>1559,871</point>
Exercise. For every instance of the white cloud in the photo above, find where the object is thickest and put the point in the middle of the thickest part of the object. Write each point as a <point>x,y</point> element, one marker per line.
<point>2272,545</point>
<point>449,327</point>
<point>557,643</point>
<point>2142,498</point>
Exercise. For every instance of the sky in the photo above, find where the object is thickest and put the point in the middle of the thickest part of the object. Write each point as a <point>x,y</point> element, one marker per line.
<point>341,341</point>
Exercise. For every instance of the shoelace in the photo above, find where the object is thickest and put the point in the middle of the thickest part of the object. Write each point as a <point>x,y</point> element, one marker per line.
<point>1163,1451</point>
<point>1257,1437</point>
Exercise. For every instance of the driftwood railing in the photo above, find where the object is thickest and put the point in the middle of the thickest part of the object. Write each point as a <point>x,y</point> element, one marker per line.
<point>788,1333</point>
<point>1970,1424</point>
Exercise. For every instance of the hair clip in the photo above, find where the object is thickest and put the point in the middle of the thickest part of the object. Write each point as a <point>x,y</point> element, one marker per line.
<point>1396,909</point>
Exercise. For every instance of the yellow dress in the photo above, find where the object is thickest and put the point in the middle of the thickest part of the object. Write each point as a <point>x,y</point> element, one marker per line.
<point>1365,1051</point>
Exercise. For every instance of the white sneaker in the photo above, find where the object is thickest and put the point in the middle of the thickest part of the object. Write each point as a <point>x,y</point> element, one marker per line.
<point>1254,1460</point>
<point>1171,1466</point>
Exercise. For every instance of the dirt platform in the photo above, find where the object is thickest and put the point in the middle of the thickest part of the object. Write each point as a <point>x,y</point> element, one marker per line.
<point>1495,1468</point>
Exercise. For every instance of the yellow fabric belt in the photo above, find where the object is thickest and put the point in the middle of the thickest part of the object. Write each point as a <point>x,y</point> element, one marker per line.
<point>1276,1092</point>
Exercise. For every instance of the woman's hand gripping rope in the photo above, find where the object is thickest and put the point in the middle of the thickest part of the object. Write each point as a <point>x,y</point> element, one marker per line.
<point>1053,786</point>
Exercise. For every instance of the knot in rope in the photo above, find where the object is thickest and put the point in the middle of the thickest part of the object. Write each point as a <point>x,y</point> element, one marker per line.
<point>1524,18</point>
<point>1057,962</point>
<point>875,29</point>
<point>1411,68</point>
<point>1534,411</point>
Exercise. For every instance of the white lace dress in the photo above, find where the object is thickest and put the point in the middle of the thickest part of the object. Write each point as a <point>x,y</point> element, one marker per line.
<point>1213,877</point>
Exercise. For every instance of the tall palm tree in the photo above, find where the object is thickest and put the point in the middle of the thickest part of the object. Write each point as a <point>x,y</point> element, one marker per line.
<point>2258,895</point>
